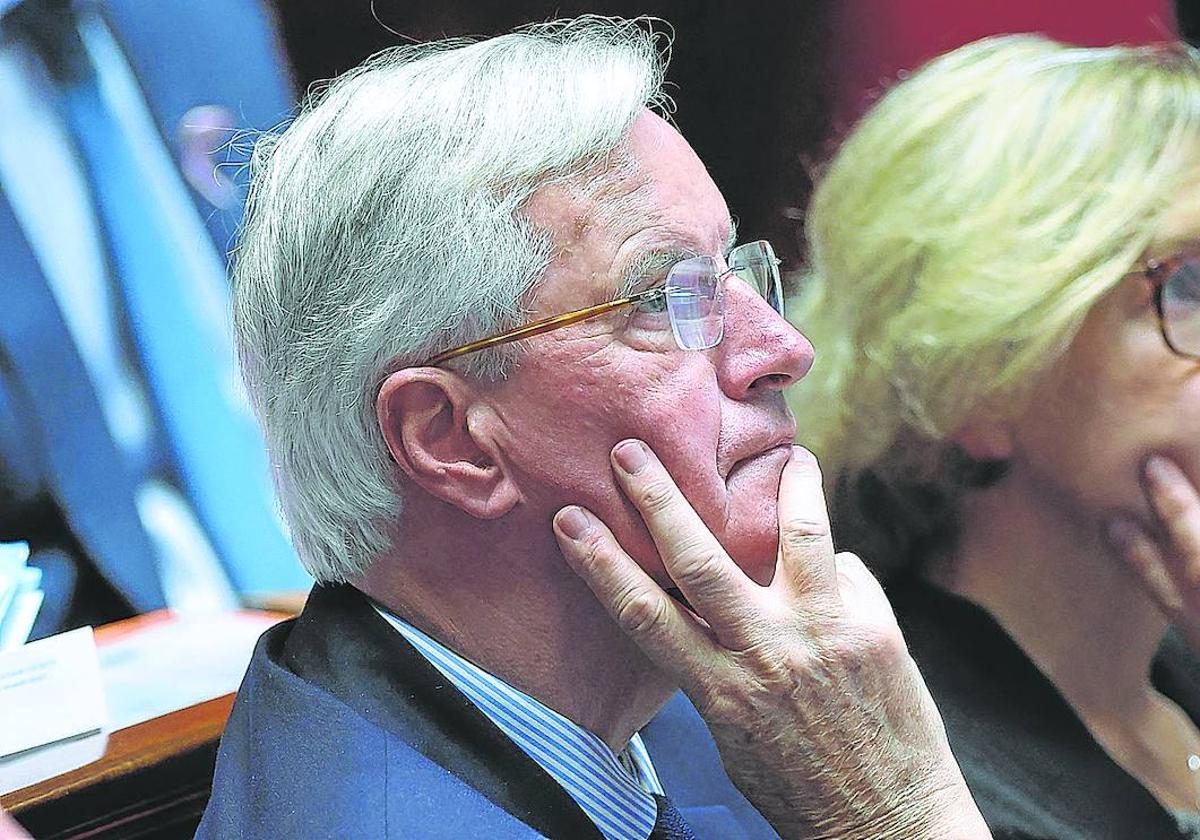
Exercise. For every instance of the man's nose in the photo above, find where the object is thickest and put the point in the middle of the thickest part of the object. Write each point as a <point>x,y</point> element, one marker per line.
<point>760,350</point>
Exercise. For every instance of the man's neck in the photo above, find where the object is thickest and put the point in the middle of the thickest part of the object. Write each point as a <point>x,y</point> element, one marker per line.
<point>1056,588</point>
<point>514,608</point>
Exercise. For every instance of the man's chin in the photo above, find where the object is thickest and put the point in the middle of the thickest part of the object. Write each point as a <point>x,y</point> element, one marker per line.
<point>759,475</point>
<point>755,555</point>
<point>752,529</point>
<point>749,533</point>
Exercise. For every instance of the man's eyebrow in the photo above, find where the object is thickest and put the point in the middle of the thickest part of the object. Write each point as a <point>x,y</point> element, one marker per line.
<point>653,265</point>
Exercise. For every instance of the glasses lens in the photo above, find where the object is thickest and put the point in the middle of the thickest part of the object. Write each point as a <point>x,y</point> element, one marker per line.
<point>1181,307</point>
<point>695,304</point>
<point>756,265</point>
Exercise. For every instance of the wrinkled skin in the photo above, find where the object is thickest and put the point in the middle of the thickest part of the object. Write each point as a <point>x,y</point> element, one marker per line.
<point>820,714</point>
<point>718,417</point>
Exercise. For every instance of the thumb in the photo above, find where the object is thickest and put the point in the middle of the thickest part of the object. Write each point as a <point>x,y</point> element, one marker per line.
<point>861,594</point>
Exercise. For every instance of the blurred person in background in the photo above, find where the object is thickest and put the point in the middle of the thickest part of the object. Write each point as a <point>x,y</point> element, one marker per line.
<point>10,829</point>
<point>1005,293</point>
<point>129,459</point>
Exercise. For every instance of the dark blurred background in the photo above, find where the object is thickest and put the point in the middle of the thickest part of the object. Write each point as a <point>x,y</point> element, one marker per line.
<point>763,89</point>
<point>750,80</point>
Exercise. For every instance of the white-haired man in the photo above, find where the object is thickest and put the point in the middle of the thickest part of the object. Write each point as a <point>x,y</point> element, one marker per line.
<point>451,675</point>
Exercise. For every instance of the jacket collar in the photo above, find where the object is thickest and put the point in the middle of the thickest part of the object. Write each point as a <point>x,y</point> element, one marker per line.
<point>342,645</point>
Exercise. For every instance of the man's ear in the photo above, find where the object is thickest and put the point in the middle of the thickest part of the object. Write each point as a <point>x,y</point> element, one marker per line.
<point>426,416</point>
<point>986,438</point>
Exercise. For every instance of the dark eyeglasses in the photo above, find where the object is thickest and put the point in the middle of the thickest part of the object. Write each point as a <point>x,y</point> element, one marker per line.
<point>1176,284</point>
<point>693,296</point>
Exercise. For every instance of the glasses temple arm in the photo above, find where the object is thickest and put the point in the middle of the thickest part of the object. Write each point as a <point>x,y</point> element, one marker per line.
<point>538,327</point>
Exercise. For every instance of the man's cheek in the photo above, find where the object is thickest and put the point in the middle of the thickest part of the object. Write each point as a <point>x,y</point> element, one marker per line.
<point>704,492</point>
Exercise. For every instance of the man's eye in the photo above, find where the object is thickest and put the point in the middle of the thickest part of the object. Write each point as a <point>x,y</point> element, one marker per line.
<point>653,304</point>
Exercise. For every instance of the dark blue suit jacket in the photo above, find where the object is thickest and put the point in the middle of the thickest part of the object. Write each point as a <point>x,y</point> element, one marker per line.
<point>342,729</point>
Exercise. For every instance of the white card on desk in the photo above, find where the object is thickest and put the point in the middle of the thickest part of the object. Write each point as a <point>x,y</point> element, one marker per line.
<point>50,690</point>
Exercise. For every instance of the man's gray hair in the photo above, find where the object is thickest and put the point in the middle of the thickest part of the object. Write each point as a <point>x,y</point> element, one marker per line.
<point>385,225</point>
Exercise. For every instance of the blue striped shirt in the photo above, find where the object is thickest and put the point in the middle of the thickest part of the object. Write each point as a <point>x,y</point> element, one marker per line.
<point>615,791</point>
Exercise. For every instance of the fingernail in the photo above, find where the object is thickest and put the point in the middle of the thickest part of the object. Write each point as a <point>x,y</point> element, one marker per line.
<point>630,456</point>
<point>1158,469</point>
<point>573,522</point>
<point>1121,532</point>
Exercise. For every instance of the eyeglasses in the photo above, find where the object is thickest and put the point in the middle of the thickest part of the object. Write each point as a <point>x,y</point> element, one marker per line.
<point>1176,283</point>
<point>693,296</point>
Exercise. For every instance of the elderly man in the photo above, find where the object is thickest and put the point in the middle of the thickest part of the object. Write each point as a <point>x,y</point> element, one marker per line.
<point>467,273</point>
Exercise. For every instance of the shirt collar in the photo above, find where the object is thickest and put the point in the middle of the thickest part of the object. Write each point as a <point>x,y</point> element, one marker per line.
<point>615,791</point>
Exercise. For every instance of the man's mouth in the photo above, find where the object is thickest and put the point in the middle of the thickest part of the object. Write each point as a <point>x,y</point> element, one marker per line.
<point>782,440</point>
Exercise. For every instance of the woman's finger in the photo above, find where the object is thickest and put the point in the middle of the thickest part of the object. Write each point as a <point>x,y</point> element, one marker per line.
<point>1176,504</point>
<point>1143,556</point>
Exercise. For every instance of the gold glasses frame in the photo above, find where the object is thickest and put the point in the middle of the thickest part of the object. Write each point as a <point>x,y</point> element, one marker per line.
<point>545,325</point>
<point>555,322</point>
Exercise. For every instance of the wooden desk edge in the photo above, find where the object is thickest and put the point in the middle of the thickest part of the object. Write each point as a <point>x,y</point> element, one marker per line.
<point>143,745</point>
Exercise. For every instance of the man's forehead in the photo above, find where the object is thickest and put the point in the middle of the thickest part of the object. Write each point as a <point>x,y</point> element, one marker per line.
<point>648,203</point>
<point>620,216</point>
<point>646,262</point>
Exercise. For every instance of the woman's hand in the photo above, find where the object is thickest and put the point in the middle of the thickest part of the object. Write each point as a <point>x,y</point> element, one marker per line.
<point>1168,561</point>
<point>819,712</point>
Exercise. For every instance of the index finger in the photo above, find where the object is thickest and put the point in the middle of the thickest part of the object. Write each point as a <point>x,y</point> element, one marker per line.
<point>666,632</point>
<point>806,563</point>
<point>717,590</point>
<point>1176,505</point>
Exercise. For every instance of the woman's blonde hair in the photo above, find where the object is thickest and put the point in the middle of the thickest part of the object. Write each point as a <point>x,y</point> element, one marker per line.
<point>957,240</point>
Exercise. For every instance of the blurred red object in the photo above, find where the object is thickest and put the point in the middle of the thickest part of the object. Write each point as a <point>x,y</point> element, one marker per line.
<point>877,39</point>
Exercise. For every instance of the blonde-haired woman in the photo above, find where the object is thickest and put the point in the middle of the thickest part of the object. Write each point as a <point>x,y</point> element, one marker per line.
<point>1005,299</point>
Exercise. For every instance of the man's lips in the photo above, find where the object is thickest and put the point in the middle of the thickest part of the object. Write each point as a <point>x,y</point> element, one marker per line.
<point>782,440</point>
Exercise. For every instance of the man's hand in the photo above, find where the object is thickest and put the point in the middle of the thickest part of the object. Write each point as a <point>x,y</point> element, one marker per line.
<point>1168,562</point>
<point>819,712</point>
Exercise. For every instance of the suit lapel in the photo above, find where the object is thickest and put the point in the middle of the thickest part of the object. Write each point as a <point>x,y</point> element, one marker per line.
<point>341,644</point>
